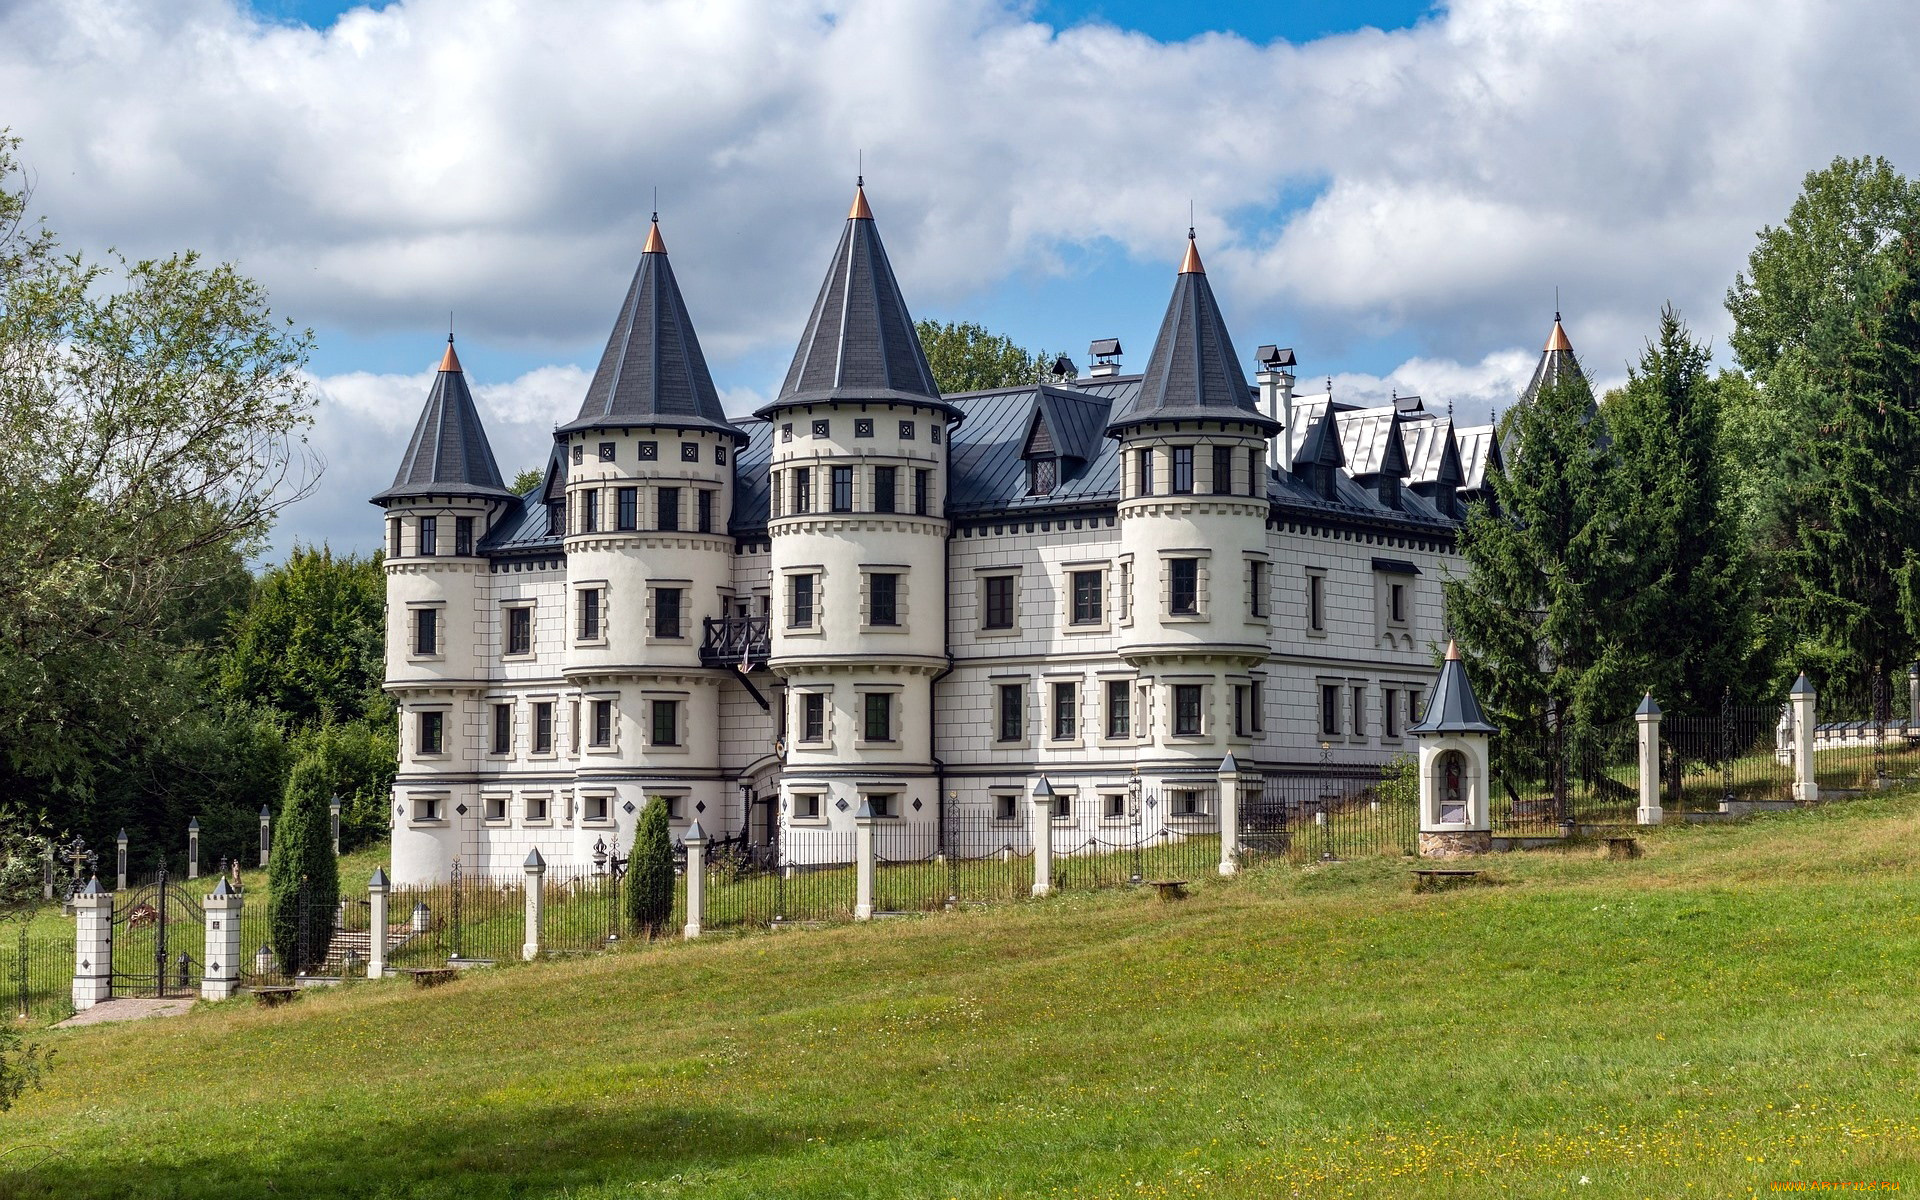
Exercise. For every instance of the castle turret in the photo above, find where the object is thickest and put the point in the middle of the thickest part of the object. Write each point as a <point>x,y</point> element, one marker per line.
<point>858,536</point>
<point>1193,515</point>
<point>649,491</point>
<point>444,498</point>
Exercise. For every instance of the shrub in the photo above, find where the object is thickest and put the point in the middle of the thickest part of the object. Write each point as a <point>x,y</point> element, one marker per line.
<point>649,888</point>
<point>303,850</point>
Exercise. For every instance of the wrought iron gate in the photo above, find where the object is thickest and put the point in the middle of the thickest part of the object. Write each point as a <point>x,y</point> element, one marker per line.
<point>159,937</point>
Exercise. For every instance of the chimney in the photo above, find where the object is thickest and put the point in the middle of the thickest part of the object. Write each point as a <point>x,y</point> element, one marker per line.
<point>1106,358</point>
<point>1276,398</point>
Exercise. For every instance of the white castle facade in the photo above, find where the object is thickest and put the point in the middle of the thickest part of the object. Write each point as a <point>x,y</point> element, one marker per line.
<point>872,594</point>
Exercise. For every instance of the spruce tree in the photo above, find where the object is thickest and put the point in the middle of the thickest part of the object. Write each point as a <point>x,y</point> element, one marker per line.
<point>1686,625</point>
<point>303,849</point>
<point>649,883</point>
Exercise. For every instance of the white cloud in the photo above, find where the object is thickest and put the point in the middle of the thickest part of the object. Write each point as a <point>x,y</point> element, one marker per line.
<point>498,160</point>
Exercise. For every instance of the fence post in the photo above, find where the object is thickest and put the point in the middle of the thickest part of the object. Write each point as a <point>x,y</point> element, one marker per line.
<point>1803,698</point>
<point>1648,718</point>
<point>120,874</point>
<point>1913,698</point>
<point>1042,837</point>
<point>536,904</point>
<point>1229,816</point>
<point>696,844</point>
<point>863,853</point>
<point>193,848</point>
<point>92,946</point>
<point>377,925</point>
<point>266,822</point>
<point>333,814</point>
<point>222,976</point>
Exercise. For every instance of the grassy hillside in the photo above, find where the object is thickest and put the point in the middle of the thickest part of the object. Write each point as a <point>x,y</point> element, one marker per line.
<point>1735,1008</point>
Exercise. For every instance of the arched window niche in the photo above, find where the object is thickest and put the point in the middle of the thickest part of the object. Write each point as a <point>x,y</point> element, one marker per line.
<point>1455,796</point>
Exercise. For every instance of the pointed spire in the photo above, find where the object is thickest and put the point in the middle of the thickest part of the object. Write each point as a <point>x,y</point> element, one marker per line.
<point>1452,708</point>
<point>653,371</point>
<point>448,454</point>
<point>1193,372</point>
<point>1453,650</point>
<point>1557,362</point>
<point>859,342</point>
<point>1557,340</point>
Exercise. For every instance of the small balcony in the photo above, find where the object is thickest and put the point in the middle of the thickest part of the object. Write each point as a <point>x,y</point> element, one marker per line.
<point>736,642</point>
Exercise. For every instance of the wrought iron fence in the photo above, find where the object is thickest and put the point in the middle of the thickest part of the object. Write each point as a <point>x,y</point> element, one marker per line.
<point>1860,750</point>
<point>1741,752</point>
<point>1552,781</point>
<point>159,936</point>
<point>36,968</point>
<point>1309,818</point>
<point>988,850</point>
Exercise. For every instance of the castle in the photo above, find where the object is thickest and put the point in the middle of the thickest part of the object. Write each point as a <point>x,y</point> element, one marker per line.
<point>870,596</point>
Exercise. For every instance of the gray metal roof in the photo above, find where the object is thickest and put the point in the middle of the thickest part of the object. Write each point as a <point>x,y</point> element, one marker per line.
<point>448,454</point>
<point>859,342</point>
<point>652,371</point>
<point>522,528</point>
<point>1479,451</point>
<point>1453,708</point>
<point>1193,372</point>
<point>1370,439</point>
<point>1433,454</point>
<point>752,480</point>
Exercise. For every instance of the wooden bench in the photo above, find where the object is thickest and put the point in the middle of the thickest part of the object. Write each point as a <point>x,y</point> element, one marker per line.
<point>1623,847</point>
<point>1170,889</point>
<point>427,977</point>
<point>271,996</point>
<point>1432,879</point>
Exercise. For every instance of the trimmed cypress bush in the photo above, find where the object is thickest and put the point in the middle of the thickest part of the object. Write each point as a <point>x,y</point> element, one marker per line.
<point>303,846</point>
<point>649,893</point>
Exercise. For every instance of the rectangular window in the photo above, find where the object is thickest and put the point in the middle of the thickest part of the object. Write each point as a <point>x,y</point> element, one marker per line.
<point>1012,714</point>
<point>886,487</point>
<point>922,492</point>
<point>1186,710</point>
<point>666,613</point>
<point>590,510</point>
<point>806,806</point>
<point>1316,602</point>
<point>1240,710</point>
<point>574,726</point>
<point>1143,460</point>
<point>606,451</point>
<point>1006,808</point>
<point>429,535</point>
<point>463,535</point>
<point>1223,470</point>
<point>842,498</point>
<point>1066,712</point>
<point>543,727</point>
<point>496,808</point>
<point>1256,705</point>
<point>1255,473</point>
<point>426,631</point>
<point>589,614</point>
<point>883,593</point>
<point>1119,709</point>
<point>1183,587</point>
<point>883,805</point>
<point>1390,712</point>
<point>627,508</point>
<point>704,507</point>
<point>502,742</point>
<point>802,489</point>
<point>1185,802</point>
<point>813,717</point>
<point>1125,599</point>
<point>1397,603</point>
<point>999,614</point>
<point>602,734</point>
<point>1088,588</point>
<point>536,809</point>
<point>1182,469</point>
<point>666,722</point>
<point>1113,805</point>
<point>519,631</point>
<point>1413,705</point>
<point>1257,588</point>
<point>1359,727</point>
<point>799,601</point>
<point>670,508</point>
<point>879,713</point>
<point>595,808</point>
<point>556,518</point>
<point>433,733</point>
<point>393,538</point>
<point>1329,710</point>
<point>1042,476</point>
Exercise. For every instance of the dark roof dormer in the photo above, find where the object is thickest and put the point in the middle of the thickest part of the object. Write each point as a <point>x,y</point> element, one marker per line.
<point>859,342</point>
<point>1319,456</point>
<point>1193,372</point>
<point>652,371</point>
<point>448,454</point>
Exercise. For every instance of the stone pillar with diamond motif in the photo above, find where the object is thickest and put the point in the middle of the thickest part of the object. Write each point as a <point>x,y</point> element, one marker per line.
<point>221,978</point>
<point>92,946</point>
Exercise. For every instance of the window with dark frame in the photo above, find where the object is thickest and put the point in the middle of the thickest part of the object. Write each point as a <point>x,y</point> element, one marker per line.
<point>1223,470</point>
<point>556,518</point>
<point>1182,470</point>
<point>1066,711</point>
<point>1043,474</point>
<point>648,451</point>
<point>1183,587</point>
<point>463,535</point>
<point>802,490</point>
<point>1012,717</point>
<point>1397,603</point>
<point>602,734</point>
<point>433,733</point>
<point>1088,588</point>
<point>799,601</point>
<point>579,453</point>
<point>1119,708</point>
<point>1257,588</point>
<point>813,717</point>
<point>666,722</point>
<point>822,428</point>
<point>606,451</point>
<point>1240,710</point>
<point>426,631</point>
<point>690,452</point>
<point>393,537</point>
<point>922,492</point>
<point>670,509</point>
<point>883,591</point>
<point>879,716</point>
<point>520,630</point>
<point>906,431</point>
<point>590,510</point>
<point>886,486</point>
<point>806,806</point>
<point>1390,711</point>
<point>704,509</point>
<point>543,727</point>
<point>842,494</point>
<point>627,508</point>
<point>1316,602</point>
<point>1359,696</point>
<point>1330,710</point>
<point>502,740</point>
<point>999,614</point>
<point>429,535</point>
<point>1413,705</point>
<point>1186,710</point>
<point>1143,477</point>
<point>667,604</point>
<point>589,614</point>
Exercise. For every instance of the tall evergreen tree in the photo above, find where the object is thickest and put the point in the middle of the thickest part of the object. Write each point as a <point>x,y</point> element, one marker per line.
<point>1685,621</point>
<point>649,882</point>
<point>302,858</point>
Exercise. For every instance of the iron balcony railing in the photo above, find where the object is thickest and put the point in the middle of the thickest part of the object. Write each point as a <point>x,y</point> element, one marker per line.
<point>732,641</point>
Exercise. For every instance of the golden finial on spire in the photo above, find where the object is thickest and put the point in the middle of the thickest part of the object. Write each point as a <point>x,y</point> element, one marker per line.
<point>1190,265</point>
<point>450,361</point>
<point>860,211</point>
<point>1453,650</point>
<point>654,244</point>
<point>1557,340</point>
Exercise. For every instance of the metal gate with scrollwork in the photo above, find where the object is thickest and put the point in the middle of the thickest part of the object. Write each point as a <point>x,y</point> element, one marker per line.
<point>159,936</point>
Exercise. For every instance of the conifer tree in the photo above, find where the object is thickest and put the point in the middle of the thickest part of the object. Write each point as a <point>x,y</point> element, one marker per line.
<point>649,883</point>
<point>303,850</point>
<point>1685,623</point>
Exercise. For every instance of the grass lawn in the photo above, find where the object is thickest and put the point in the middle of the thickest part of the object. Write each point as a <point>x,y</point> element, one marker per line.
<point>1734,1008</point>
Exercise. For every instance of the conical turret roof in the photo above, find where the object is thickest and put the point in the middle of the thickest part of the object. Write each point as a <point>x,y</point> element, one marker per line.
<point>1193,372</point>
<point>859,342</point>
<point>1453,708</point>
<point>652,371</point>
<point>1556,362</point>
<point>448,454</point>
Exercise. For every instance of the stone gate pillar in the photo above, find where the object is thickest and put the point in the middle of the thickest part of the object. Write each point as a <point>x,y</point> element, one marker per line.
<point>1648,718</point>
<point>1229,816</point>
<point>536,899</point>
<point>696,844</point>
<point>92,946</point>
<point>1802,697</point>
<point>222,976</point>
<point>1042,837</point>
<point>1455,768</point>
<point>377,925</point>
<point>864,866</point>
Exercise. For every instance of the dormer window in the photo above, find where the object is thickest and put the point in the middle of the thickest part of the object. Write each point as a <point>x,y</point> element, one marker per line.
<point>1390,491</point>
<point>1323,480</point>
<point>1043,475</point>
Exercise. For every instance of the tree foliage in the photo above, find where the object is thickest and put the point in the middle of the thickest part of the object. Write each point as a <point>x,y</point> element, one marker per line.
<point>649,882</point>
<point>302,861</point>
<point>528,479</point>
<point>965,357</point>
<point>357,761</point>
<point>312,642</point>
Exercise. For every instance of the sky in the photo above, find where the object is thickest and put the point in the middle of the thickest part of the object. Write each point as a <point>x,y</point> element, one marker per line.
<point>1402,192</point>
